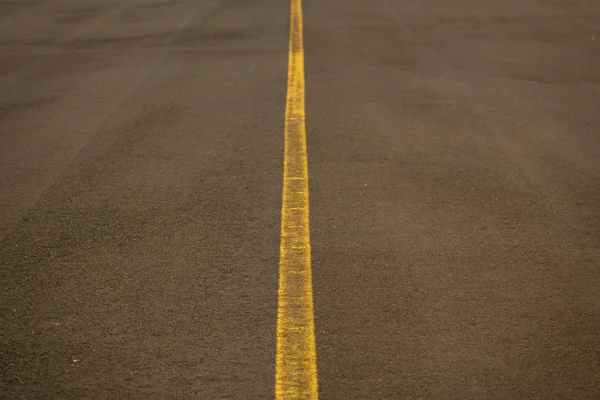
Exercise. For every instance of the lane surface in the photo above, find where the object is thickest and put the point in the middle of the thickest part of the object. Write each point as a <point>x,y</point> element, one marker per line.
<point>141,174</point>
<point>455,180</point>
<point>454,166</point>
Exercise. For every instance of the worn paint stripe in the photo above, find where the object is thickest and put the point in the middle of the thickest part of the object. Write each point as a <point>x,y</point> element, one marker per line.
<point>296,361</point>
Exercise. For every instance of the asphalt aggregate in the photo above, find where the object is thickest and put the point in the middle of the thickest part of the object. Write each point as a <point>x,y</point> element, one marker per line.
<point>454,171</point>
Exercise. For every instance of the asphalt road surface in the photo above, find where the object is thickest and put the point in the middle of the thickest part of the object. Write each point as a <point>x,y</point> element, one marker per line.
<point>454,170</point>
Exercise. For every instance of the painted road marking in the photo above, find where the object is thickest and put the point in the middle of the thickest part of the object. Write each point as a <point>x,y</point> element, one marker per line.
<point>296,360</point>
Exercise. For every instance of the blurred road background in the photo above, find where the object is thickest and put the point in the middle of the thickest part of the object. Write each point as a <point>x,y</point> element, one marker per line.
<point>454,160</point>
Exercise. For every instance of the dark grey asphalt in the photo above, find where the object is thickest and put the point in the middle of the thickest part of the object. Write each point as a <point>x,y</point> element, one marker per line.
<point>454,156</point>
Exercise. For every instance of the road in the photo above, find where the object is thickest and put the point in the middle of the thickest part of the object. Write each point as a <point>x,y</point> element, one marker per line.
<point>454,172</point>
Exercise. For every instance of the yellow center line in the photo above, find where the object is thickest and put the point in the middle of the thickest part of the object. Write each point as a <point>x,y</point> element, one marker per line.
<point>296,360</point>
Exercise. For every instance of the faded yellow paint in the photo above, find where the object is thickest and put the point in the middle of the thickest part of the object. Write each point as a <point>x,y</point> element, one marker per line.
<point>296,361</point>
